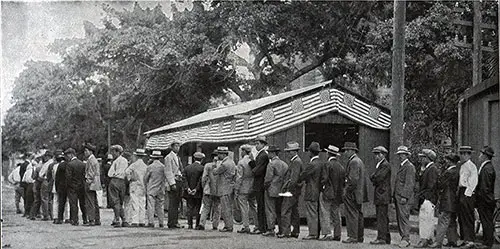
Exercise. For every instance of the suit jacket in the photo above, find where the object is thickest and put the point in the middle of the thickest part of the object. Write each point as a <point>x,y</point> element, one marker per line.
<point>292,182</point>
<point>447,190</point>
<point>208,180</point>
<point>259,170</point>
<point>93,174</point>
<point>60,178</point>
<point>275,175</point>
<point>22,169</point>
<point>485,190</point>
<point>225,171</point>
<point>192,177</point>
<point>155,179</point>
<point>355,179</point>
<point>50,175</point>
<point>381,180</point>
<point>405,181</point>
<point>333,180</point>
<point>428,181</point>
<point>244,179</point>
<point>174,169</point>
<point>312,175</point>
<point>135,175</point>
<point>75,174</point>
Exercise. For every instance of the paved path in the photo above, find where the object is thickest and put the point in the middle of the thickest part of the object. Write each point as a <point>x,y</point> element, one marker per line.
<point>19,232</point>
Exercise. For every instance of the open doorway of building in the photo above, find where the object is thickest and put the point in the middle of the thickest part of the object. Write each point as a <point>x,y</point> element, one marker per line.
<point>331,134</point>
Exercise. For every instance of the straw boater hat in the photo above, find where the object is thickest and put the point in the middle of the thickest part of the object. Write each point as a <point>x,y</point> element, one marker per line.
<point>292,146</point>
<point>273,148</point>
<point>222,150</point>
<point>403,150</point>
<point>380,149</point>
<point>261,138</point>
<point>156,154</point>
<point>487,150</point>
<point>428,153</point>
<point>59,153</point>
<point>117,147</point>
<point>198,155</point>
<point>465,148</point>
<point>48,153</point>
<point>90,147</point>
<point>314,147</point>
<point>332,149</point>
<point>350,146</point>
<point>140,152</point>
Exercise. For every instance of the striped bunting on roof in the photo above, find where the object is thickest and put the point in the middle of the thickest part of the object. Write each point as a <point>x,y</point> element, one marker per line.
<point>277,118</point>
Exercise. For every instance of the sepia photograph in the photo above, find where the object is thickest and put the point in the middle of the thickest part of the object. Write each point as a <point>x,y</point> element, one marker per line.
<point>250,124</point>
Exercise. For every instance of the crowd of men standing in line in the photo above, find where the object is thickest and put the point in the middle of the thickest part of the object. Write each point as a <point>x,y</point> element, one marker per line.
<point>268,190</point>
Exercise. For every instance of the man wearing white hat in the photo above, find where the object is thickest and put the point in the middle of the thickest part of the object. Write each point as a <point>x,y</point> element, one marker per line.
<point>135,175</point>
<point>174,170</point>
<point>381,180</point>
<point>117,185</point>
<point>193,191</point>
<point>225,170</point>
<point>155,180</point>
<point>290,207</point>
<point>332,184</point>
<point>403,192</point>
<point>467,183</point>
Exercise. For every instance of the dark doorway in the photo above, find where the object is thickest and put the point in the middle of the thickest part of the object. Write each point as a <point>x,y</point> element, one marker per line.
<point>331,134</point>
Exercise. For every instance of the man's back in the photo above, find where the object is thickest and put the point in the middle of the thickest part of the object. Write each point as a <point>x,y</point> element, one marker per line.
<point>155,178</point>
<point>76,170</point>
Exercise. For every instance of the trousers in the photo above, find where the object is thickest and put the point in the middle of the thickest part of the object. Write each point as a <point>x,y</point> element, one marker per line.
<point>290,215</point>
<point>117,190</point>
<point>37,199</point>
<point>210,208</point>
<point>261,211</point>
<point>466,217</point>
<point>273,212</point>
<point>193,210</point>
<point>92,205</point>
<point>248,209</point>
<point>312,217</point>
<point>47,199</point>
<point>329,217</point>
<point>403,219</point>
<point>19,193</point>
<point>137,205</point>
<point>62,198</point>
<point>174,199</point>
<point>155,206</point>
<point>486,216</point>
<point>447,225</point>
<point>354,218</point>
<point>77,198</point>
<point>226,211</point>
<point>28,198</point>
<point>382,212</point>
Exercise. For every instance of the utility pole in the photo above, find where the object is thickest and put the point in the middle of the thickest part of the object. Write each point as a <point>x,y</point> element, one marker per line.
<point>476,44</point>
<point>398,81</point>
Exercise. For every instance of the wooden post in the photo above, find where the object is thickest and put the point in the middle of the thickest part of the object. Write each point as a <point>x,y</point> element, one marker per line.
<point>398,77</point>
<point>476,44</point>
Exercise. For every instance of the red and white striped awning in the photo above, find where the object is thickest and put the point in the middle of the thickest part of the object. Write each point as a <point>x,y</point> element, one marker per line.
<point>275,118</point>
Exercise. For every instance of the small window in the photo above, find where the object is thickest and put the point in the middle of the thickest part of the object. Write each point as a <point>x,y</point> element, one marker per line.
<point>331,134</point>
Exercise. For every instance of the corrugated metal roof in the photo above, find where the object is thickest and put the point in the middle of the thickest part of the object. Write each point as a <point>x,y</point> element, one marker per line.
<point>236,109</point>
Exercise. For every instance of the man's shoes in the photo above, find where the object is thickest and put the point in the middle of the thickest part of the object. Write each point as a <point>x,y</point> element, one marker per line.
<point>244,230</point>
<point>97,223</point>
<point>404,244</point>
<point>125,224</point>
<point>200,228</point>
<point>85,222</point>
<point>468,244</point>
<point>361,240</point>
<point>350,241</point>
<point>269,234</point>
<point>378,242</point>
<point>422,244</point>
<point>226,230</point>
<point>67,221</point>
<point>115,223</point>
<point>326,238</point>
<point>310,237</point>
<point>58,222</point>
<point>451,244</point>
<point>45,219</point>
<point>293,235</point>
<point>336,238</point>
<point>90,224</point>
<point>150,225</point>
<point>32,218</point>
<point>435,245</point>
<point>256,231</point>
<point>142,225</point>
<point>19,212</point>
<point>283,236</point>
<point>215,228</point>
<point>160,225</point>
<point>74,223</point>
<point>174,227</point>
<point>134,225</point>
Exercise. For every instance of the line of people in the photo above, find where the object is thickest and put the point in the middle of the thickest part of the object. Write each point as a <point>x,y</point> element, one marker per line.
<point>268,190</point>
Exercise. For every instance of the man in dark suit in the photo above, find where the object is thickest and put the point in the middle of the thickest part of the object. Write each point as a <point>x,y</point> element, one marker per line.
<point>485,195</point>
<point>27,193</point>
<point>290,208</point>
<point>259,171</point>
<point>192,189</point>
<point>403,193</point>
<point>332,184</point>
<point>447,198</point>
<point>381,180</point>
<point>61,185</point>
<point>75,175</point>
<point>311,175</point>
<point>427,193</point>
<point>353,194</point>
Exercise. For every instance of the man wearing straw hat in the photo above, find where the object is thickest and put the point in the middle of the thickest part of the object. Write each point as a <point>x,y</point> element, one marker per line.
<point>467,183</point>
<point>353,194</point>
<point>332,182</point>
<point>225,170</point>
<point>135,175</point>
<point>154,180</point>
<point>92,184</point>
<point>290,207</point>
<point>259,171</point>
<point>381,180</point>
<point>403,193</point>
<point>243,189</point>
<point>485,195</point>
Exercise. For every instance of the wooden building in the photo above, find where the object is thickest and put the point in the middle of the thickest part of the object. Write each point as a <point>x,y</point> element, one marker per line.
<point>479,121</point>
<point>324,112</point>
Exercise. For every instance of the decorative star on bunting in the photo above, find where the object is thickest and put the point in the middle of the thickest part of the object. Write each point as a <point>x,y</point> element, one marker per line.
<point>348,100</point>
<point>374,112</point>
<point>297,106</point>
<point>324,96</point>
<point>267,115</point>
